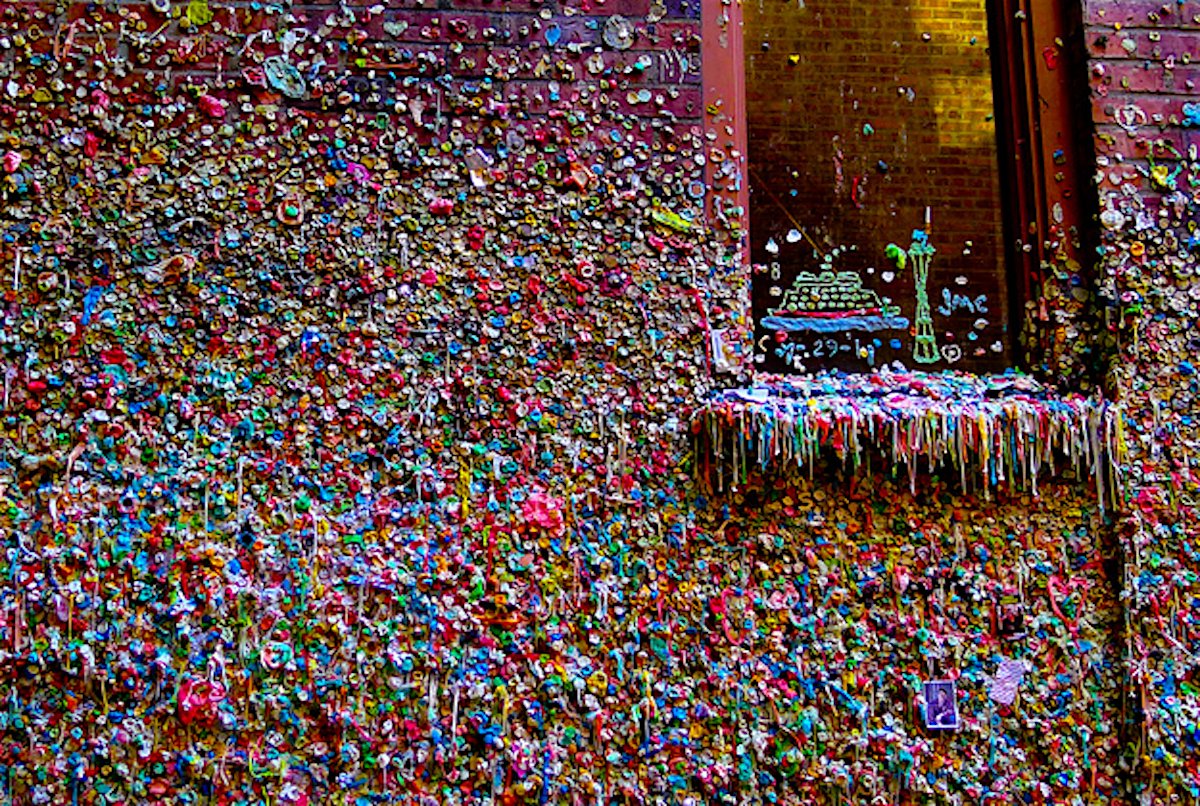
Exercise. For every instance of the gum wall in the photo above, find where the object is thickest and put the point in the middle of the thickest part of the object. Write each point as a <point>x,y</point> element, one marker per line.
<point>357,443</point>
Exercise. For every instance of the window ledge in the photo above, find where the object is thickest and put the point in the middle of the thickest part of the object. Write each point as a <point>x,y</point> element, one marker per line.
<point>997,431</point>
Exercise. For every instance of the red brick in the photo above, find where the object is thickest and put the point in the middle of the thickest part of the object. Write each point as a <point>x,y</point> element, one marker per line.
<point>1112,140</point>
<point>1109,44</point>
<point>496,6</point>
<point>1104,109</point>
<point>1135,77</point>
<point>626,8</point>
<point>1136,13</point>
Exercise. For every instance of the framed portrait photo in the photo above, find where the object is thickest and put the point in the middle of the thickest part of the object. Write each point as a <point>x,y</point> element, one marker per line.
<point>941,705</point>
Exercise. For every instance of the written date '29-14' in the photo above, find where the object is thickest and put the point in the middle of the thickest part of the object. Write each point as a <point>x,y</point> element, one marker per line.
<point>797,352</point>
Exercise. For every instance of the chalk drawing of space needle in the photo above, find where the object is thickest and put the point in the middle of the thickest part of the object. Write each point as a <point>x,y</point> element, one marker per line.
<point>925,350</point>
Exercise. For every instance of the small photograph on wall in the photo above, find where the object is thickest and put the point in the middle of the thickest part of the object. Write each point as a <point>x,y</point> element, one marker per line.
<point>941,705</point>
<point>1010,619</point>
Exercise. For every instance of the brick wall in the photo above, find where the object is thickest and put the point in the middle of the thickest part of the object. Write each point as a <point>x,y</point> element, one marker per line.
<point>1141,87</point>
<point>349,355</point>
<point>325,329</point>
<point>861,117</point>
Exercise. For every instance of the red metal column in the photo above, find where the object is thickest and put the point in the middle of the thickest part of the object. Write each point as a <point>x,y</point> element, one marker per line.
<point>723,72</point>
